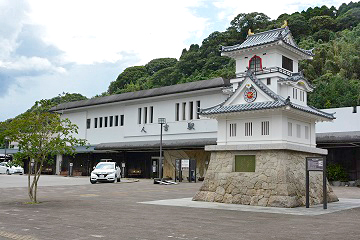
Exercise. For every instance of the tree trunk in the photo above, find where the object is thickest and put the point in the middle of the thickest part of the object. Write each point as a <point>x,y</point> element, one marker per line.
<point>34,184</point>
<point>29,179</point>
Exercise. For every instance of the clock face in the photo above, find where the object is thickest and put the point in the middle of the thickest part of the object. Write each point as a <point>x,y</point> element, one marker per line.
<point>250,95</point>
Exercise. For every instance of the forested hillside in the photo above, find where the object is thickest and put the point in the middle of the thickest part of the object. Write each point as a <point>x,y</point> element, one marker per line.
<point>333,33</point>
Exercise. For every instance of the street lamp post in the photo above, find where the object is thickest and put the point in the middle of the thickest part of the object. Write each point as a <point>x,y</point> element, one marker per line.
<point>6,139</point>
<point>161,121</point>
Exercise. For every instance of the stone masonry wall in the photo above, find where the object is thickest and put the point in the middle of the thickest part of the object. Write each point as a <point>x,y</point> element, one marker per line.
<point>278,180</point>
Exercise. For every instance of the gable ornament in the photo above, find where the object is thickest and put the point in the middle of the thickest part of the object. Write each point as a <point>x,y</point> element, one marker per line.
<point>250,93</point>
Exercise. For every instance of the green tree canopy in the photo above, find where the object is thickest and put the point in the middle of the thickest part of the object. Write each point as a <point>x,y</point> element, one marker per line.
<point>129,75</point>
<point>39,135</point>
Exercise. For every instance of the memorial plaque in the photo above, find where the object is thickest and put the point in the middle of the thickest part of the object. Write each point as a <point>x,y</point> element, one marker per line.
<point>315,163</point>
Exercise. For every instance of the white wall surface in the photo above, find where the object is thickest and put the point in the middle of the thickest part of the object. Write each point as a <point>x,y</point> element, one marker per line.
<point>346,121</point>
<point>278,132</point>
<point>164,106</point>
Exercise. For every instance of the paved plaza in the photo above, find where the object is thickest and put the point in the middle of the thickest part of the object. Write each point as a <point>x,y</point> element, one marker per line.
<point>72,208</point>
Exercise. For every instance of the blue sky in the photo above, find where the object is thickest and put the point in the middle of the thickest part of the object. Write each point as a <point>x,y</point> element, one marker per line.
<point>80,46</point>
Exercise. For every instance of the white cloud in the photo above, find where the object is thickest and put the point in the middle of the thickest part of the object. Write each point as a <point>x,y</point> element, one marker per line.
<point>50,47</point>
<point>32,64</point>
<point>91,31</point>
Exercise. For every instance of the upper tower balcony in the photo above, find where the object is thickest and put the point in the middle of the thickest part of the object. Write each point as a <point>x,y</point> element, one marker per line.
<point>267,54</point>
<point>273,57</point>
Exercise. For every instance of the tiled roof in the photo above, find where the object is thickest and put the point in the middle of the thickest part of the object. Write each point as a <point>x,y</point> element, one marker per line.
<point>243,107</point>
<point>173,89</point>
<point>221,109</point>
<point>278,102</point>
<point>266,37</point>
<point>312,110</point>
<point>295,77</point>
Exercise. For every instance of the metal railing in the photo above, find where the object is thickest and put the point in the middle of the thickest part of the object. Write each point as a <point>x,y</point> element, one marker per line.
<point>268,70</point>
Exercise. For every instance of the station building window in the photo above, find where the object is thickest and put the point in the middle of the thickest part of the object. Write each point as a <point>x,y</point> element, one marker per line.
<point>88,123</point>
<point>197,109</point>
<point>116,120</point>
<point>122,120</point>
<point>111,121</point>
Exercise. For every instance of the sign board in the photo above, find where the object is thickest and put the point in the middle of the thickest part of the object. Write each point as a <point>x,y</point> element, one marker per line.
<point>185,163</point>
<point>123,164</point>
<point>315,163</point>
<point>71,164</point>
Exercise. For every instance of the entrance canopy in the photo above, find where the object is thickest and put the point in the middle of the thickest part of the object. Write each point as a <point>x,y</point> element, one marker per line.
<point>151,145</point>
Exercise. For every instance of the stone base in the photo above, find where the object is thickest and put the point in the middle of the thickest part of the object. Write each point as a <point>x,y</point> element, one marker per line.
<point>278,180</point>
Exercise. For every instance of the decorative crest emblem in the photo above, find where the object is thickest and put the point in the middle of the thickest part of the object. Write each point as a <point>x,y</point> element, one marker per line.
<point>250,93</point>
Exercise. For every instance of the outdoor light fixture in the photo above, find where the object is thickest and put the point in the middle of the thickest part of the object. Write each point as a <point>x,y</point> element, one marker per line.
<point>161,121</point>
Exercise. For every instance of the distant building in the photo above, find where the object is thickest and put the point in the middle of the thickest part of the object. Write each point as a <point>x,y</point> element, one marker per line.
<point>342,139</point>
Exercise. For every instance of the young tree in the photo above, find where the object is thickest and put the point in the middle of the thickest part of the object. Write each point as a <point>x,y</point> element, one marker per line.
<point>41,134</point>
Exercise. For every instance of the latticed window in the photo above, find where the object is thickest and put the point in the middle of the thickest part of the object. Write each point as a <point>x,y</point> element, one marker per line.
<point>255,63</point>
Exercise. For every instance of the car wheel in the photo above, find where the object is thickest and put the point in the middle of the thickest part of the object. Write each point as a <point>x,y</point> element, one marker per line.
<point>7,172</point>
<point>92,182</point>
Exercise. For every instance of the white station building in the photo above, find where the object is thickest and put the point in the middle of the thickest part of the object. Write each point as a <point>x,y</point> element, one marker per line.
<point>268,93</point>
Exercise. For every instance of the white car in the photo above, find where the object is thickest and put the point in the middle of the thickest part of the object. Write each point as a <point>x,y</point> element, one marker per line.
<point>106,172</point>
<point>6,168</point>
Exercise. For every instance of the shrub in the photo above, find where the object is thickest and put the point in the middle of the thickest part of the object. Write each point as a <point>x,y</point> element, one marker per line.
<point>336,172</point>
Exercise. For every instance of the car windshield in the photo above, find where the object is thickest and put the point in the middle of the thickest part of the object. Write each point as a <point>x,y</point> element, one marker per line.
<point>105,166</point>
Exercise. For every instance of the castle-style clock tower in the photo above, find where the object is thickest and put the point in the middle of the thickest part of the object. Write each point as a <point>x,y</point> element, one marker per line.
<point>265,127</point>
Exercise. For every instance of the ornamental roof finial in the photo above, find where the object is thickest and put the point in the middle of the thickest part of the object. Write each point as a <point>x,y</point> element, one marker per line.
<point>249,32</point>
<point>285,24</point>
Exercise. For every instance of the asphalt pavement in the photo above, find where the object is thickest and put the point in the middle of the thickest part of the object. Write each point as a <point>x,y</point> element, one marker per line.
<point>75,209</point>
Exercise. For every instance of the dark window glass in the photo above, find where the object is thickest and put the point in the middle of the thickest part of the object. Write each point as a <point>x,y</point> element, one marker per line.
<point>117,120</point>
<point>88,123</point>
<point>191,110</point>
<point>287,63</point>
<point>139,115</point>
<point>111,121</point>
<point>145,114</point>
<point>197,109</point>
<point>121,120</point>
<point>177,111</point>
<point>255,63</point>
<point>100,122</point>
<point>95,122</point>
<point>184,111</point>
<point>106,121</point>
<point>151,114</point>
<point>268,81</point>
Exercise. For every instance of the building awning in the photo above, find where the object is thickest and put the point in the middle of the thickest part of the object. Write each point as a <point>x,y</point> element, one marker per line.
<point>338,139</point>
<point>151,145</point>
